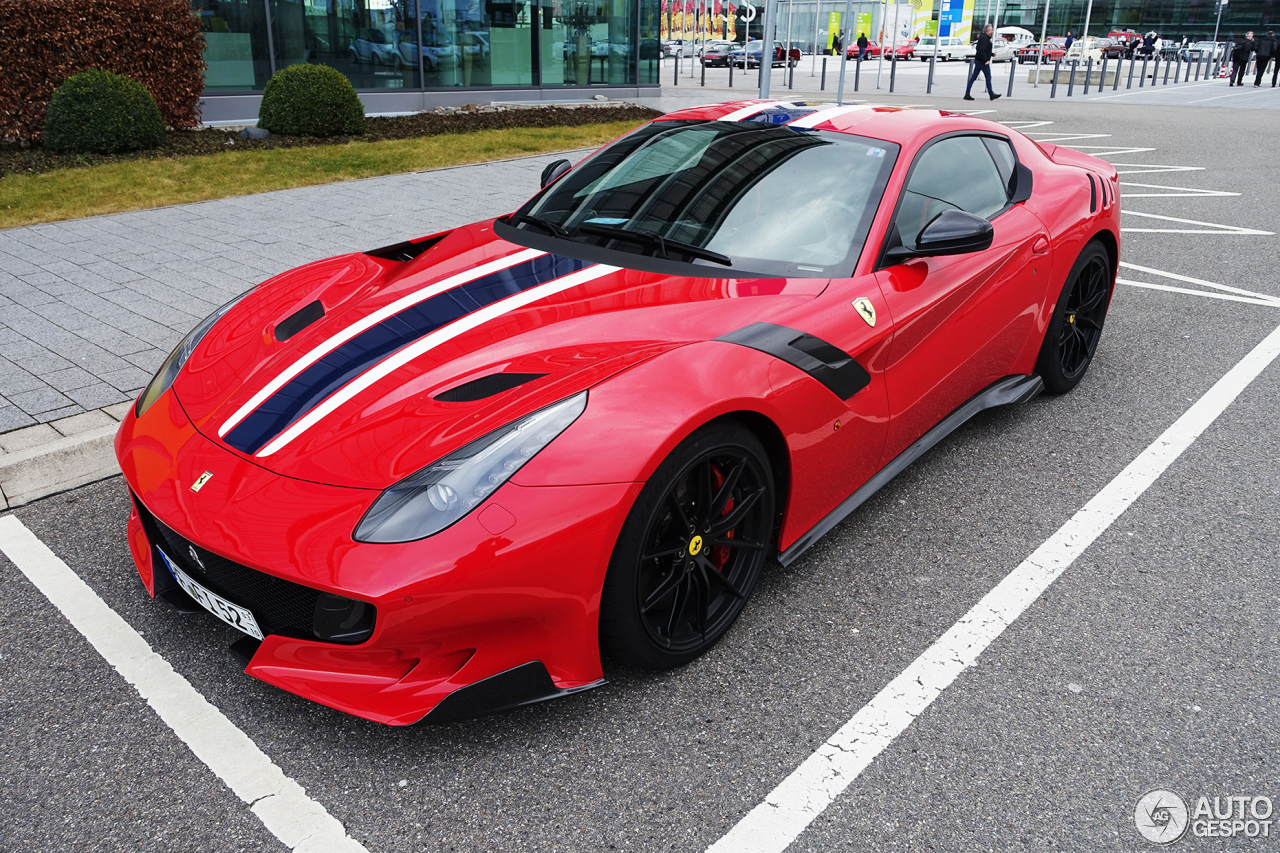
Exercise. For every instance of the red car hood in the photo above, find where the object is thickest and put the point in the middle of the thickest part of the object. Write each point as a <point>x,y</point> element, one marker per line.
<point>350,398</point>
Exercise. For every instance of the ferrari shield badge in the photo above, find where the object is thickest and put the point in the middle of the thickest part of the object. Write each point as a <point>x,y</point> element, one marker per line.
<point>864,307</point>
<point>201,480</point>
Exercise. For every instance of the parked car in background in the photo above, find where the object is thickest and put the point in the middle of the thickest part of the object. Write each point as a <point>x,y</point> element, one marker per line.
<point>1203,50</point>
<point>945,48</point>
<point>1085,49</point>
<point>438,50</point>
<point>1053,51</point>
<point>749,56</point>
<point>1001,51</point>
<point>672,47</point>
<point>873,49</point>
<point>701,48</point>
<point>717,54</point>
<point>373,46</point>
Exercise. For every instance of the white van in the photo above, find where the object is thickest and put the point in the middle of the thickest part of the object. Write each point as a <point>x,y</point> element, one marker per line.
<point>948,47</point>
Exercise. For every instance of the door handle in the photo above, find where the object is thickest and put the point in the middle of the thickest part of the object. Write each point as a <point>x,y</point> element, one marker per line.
<point>1040,246</point>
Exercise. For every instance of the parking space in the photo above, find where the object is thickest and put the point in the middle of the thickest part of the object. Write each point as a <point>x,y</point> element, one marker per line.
<point>1148,663</point>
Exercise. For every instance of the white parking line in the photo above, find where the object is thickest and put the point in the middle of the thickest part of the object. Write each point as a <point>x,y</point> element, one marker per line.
<point>1177,192</point>
<point>279,802</point>
<point>1269,303</point>
<point>1144,168</point>
<point>1189,280</point>
<point>789,809</point>
<point>1209,227</point>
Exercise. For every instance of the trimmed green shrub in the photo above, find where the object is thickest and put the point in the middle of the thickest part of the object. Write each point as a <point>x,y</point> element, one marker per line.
<point>100,112</point>
<point>311,100</point>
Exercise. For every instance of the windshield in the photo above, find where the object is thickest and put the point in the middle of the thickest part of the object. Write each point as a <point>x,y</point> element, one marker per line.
<point>748,197</point>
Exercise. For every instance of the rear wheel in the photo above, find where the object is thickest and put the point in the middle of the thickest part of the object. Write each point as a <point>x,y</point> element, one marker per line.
<point>1076,324</point>
<point>690,551</point>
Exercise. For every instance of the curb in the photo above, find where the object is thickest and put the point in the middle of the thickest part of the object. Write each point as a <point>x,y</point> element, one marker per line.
<point>41,460</point>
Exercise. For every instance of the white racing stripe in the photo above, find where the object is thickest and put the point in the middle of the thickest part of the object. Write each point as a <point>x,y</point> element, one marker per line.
<point>368,322</point>
<point>279,802</point>
<point>789,809</point>
<point>393,363</point>
<point>828,113</point>
<point>747,112</point>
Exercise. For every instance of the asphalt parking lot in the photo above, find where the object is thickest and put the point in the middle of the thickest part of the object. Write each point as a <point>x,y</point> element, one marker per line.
<point>1149,663</point>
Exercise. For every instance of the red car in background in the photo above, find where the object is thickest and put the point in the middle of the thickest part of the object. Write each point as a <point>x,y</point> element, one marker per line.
<point>1054,49</point>
<point>905,50</point>
<point>444,477</point>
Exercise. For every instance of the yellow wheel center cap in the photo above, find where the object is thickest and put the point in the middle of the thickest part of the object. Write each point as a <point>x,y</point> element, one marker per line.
<point>1071,318</point>
<point>695,546</point>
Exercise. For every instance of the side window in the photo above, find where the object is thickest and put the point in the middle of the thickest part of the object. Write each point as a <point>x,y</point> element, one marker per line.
<point>1002,153</point>
<point>952,174</point>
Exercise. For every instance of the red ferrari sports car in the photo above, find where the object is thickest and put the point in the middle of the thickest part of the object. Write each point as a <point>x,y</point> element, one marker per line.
<point>444,477</point>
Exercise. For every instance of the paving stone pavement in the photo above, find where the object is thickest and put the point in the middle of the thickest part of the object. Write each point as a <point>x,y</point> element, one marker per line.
<point>89,308</point>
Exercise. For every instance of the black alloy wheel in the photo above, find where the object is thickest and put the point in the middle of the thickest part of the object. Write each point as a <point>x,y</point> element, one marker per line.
<point>1076,324</point>
<point>691,550</point>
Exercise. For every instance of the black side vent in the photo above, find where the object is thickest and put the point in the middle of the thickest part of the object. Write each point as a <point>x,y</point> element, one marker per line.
<point>406,251</point>
<point>486,386</point>
<point>825,362</point>
<point>299,320</point>
<point>1093,193</point>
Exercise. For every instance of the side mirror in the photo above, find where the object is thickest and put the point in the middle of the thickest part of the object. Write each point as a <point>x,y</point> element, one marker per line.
<point>952,232</point>
<point>555,170</point>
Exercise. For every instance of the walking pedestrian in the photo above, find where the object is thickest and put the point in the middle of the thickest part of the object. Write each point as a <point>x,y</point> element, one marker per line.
<point>1070,41</point>
<point>836,44</point>
<point>1149,43</point>
<point>982,63</point>
<point>1240,59</point>
<point>1266,49</point>
<point>863,46</point>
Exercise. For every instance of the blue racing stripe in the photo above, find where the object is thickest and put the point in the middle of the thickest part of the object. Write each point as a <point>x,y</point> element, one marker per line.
<point>360,353</point>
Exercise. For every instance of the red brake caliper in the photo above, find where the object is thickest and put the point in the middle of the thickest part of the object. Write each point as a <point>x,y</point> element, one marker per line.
<point>720,553</point>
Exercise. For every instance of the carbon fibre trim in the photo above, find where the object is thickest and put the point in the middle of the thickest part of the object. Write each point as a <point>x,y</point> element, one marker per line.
<point>527,684</point>
<point>830,365</point>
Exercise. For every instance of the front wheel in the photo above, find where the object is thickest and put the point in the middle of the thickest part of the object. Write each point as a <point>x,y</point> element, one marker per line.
<point>690,551</point>
<point>1076,324</point>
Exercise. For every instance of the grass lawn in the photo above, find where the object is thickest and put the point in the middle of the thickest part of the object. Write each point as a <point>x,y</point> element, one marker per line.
<point>27,199</point>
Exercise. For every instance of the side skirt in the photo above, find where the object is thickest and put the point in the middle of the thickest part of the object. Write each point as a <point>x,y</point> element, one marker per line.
<point>526,684</point>
<point>1005,392</point>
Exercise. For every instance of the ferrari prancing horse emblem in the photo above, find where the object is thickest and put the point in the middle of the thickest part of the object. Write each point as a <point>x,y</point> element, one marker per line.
<point>866,309</point>
<point>201,480</point>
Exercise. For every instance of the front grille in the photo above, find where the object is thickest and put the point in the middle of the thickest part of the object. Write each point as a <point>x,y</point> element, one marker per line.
<point>280,606</point>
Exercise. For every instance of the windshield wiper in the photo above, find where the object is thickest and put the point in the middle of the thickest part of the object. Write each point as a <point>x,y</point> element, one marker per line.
<point>664,245</point>
<point>545,224</point>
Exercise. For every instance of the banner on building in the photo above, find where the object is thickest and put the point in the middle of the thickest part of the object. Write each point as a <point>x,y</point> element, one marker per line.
<point>921,18</point>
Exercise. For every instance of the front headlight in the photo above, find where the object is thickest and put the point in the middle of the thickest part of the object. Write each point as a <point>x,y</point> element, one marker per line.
<point>169,370</point>
<point>426,502</point>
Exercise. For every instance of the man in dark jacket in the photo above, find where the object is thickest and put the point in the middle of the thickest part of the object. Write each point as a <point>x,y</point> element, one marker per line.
<point>863,44</point>
<point>1240,59</point>
<point>1070,41</point>
<point>981,63</point>
<point>837,44</point>
<point>1266,50</point>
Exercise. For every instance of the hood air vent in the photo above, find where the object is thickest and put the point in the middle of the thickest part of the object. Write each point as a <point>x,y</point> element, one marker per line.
<point>486,386</point>
<point>299,320</point>
<point>407,250</point>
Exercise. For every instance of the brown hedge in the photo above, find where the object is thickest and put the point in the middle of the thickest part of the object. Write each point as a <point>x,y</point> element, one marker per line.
<point>43,42</point>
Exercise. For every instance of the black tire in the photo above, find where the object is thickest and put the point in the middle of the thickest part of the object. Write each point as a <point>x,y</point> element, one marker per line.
<point>691,550</point>
<point>1076,324</point>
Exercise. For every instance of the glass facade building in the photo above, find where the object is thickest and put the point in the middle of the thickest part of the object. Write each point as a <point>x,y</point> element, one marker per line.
<point>432,46</point>
<point>806,23</point>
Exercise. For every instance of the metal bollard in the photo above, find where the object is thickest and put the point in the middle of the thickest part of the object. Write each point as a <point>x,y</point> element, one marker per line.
<point>791,74</point>
<point>704,73</point>
<point>857,74</point>
<point>1102,78</point>
<point>1115,83</point>
<point>1165,81</point>
<point>929,87</point>
<point>1071,81</point>
<point>1053,90</point>
<point>822,85</point>
<point>1143,79</point>
<point>1155,71</point>
<point>675,78</point>
<point>1013,64</point>
<point>1088,72</point>
<point>893,69</point>
<point>1129,84</point>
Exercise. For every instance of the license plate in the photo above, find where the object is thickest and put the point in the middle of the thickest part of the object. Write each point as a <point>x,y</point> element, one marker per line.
<point>234,615</point>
